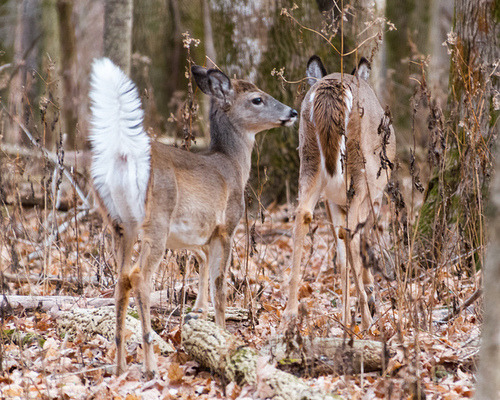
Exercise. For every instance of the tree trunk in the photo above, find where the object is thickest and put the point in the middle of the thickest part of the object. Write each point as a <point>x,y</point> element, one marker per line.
<point>489,357</point>
<point>439,65</point>
<point>406,44</point>
<point>118,32</point>
<point>209,37</point>
<point>23,88</point>
<point>456,194</point>
<point>174,57</point>
<point>68,70</point>
<point>51,66</point>
<point>12,133</point>
<point>369,25</point>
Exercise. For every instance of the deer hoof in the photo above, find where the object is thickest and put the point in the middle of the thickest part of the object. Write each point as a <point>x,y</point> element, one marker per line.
<point>371,300</point>
<point>194,314</point>
<point>149,375</point>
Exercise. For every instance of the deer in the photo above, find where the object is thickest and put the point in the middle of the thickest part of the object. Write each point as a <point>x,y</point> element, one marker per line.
<point>347,148</point>
<point>177,199</point>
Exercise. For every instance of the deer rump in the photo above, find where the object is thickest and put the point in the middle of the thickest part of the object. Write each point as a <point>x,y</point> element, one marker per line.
<point>331,107</point>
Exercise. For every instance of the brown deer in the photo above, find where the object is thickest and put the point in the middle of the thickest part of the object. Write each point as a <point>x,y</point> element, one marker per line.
<point>178,199</point>
<point>346,146</point>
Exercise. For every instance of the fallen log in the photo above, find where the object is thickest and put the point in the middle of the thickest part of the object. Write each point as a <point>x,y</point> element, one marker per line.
<point>159,302</point>
<point>53,279</point>
<point>102,321</point>
<point>47,303</point>
<point>324,356</point>
<point>227,355</point>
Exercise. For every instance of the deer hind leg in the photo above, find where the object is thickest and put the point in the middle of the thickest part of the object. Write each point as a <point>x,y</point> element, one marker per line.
<point>359,211</point>
<point>374,210</point>
<point>308,197</point>
<point>369,286</point>
<point>337,216</point>
<point>219,257</point>
<point>124,238</point>
<point>201,303</point>
<point>152,252</point>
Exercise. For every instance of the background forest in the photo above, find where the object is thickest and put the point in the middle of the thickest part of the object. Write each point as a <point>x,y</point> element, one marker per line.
<point>435,65</point>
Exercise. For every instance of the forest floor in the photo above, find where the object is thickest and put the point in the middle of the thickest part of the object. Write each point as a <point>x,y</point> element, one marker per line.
<point>37,363</point>
<point>432,359</point>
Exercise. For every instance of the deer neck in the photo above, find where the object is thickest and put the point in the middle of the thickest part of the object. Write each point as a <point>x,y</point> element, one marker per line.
<point>227,139</point>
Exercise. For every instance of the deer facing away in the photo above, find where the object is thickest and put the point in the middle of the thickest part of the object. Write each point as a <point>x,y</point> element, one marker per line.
<point>346,147</point>
<point>178,199</point>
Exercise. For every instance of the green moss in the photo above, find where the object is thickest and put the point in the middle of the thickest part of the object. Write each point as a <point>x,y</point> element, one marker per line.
<point>242,366</point>
<point>289,361</point>
<point>429,209</point>
<point>494,114</point>
<point>21,338</point>
<point>496,11</point>
<point>243,354</point>
<point>440,373</point>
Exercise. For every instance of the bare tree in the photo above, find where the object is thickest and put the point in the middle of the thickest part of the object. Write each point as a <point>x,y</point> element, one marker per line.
<point>369,26</point>
<point>209,37</point>
<point>456,192</point>
<point>489,365</point>
<point>68,69</point>
<point>23,88</point>
<point>118,32</point>
<point>439,65</point>
<point>50,66</point>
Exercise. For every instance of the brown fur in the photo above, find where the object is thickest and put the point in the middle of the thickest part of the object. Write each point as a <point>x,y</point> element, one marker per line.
<point>329,118</point>
<point>240,86</point>
<point>193,201</point>
<point>354,194</point>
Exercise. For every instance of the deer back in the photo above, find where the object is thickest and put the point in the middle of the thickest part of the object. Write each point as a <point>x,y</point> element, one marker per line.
<point>341,131</point>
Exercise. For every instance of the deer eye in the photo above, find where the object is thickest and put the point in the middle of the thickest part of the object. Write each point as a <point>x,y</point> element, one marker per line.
<point>257,101</point>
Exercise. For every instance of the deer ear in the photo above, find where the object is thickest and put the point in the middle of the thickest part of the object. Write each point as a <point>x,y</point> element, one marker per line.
<point>220,86</point>
<point>200,76</point>
<point>363,69</point>
<point>315,70</point>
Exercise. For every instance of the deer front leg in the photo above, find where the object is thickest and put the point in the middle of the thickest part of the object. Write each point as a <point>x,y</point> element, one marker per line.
<point>303,218</point>
<point>369,289</point>
<point>152,251</point>
<point>219,258</point>
<point>123,241</point>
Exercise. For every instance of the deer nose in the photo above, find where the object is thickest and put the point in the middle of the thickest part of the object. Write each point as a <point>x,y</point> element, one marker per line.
<point>293,113</point>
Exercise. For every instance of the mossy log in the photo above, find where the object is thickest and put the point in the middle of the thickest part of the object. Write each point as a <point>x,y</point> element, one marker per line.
<point>102,321</point>
<point>227,355</point>
<point>321,356</point>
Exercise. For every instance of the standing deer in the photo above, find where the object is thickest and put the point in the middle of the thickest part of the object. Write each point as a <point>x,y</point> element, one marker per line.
<point>178,199</point>
<point>346,143</point>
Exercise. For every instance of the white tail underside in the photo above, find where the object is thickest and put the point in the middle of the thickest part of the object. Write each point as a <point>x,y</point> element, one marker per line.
<point>120,146</point>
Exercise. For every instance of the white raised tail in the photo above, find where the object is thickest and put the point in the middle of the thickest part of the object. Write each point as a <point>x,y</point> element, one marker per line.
<point>120,147</point>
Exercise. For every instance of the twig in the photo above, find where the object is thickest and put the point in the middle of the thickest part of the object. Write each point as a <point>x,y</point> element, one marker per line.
<point>474,296</point>
<point>50,157</point>
<point>53,236</point>
<point>5,66</point>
